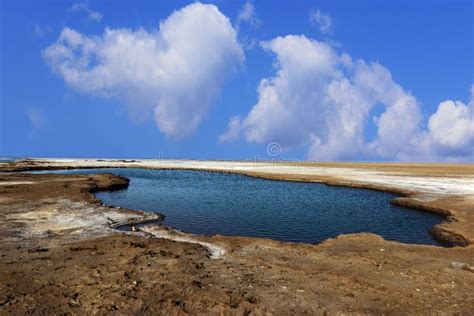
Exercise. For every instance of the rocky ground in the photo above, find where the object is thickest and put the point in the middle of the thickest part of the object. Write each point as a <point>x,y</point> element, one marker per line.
<point>61,254</point>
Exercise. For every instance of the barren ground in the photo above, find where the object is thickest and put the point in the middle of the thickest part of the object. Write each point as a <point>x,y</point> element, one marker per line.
<point>60,252</point>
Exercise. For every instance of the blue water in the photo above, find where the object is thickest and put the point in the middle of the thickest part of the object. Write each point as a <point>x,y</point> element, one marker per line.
<point>8,159</point>
<point>228,204</point>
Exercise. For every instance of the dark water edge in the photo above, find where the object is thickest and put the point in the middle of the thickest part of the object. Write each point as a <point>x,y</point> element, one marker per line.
<point>229,204</point>
<point>8,159</point>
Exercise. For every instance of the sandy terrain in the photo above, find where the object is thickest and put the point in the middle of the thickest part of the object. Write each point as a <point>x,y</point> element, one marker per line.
<point>60,251</point>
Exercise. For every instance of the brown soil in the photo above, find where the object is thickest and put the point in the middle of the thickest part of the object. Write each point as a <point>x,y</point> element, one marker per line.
<point>64,270</point>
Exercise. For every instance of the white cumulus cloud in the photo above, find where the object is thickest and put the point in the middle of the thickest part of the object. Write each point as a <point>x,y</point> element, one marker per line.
<point>451,128</point>
<point>233,130</point>
<point>176,71</point>
<point>323,100</point>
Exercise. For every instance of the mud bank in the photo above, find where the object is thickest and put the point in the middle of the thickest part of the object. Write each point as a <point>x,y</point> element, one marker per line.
<point>45,206</point>
<point>60,253</point>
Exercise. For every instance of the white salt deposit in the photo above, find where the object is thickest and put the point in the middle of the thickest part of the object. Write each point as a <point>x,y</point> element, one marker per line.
<point>215,251</point>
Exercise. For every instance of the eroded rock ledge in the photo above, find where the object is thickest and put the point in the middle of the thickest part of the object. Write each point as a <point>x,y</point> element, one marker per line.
<point>45,205</point>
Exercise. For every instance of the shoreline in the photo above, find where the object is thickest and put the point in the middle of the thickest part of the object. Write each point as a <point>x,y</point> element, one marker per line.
<point>131,272</point>
<point>402,199</point>
<point>443,232</point>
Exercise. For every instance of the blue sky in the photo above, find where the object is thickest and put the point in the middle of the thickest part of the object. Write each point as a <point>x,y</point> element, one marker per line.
<point>321,66</point>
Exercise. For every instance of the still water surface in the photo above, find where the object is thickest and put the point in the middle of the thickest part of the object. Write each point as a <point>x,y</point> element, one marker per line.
<point>215,203</point>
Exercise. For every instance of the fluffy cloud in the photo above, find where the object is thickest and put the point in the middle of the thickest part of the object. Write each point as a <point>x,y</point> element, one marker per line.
<point>322,99</point>
<point>233,130</point>
<point>323,21</point>
<point>176,71</point>
<point>451,129</point>
<point>84,7</point>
